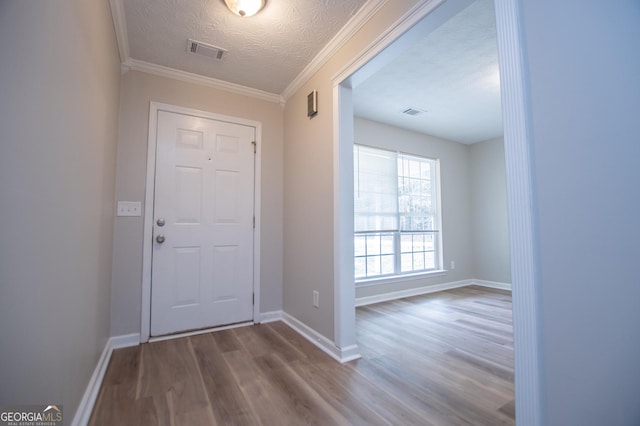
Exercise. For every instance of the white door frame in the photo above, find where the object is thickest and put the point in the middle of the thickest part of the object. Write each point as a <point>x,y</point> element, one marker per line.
<point>147,246</point>
<point>519,190</point>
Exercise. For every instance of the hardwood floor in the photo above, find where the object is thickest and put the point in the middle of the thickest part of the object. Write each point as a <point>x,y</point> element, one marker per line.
<point>441,359</point>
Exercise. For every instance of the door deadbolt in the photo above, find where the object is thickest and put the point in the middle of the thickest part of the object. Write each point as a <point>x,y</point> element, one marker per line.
<point>160,222</point>
<point>160,239</point>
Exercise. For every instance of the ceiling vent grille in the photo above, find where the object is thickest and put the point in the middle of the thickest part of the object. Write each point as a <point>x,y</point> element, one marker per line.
<point>204,49</point>
<point>412,111</point>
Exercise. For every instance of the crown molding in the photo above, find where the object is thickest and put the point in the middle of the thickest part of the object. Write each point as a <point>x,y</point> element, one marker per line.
<point>354,24</point>
<point>162,71</point>
<point>128,63</point>
<point>393,33</point>
<point>120,27</point>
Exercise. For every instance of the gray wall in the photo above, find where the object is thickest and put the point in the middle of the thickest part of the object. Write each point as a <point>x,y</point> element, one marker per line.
<point>583,81</point>
<point>455,197</point>
<point>309,182</point>
<point>310,171</point>
<point>137,90</point>
<point>489,222</point>
<point>58,114</point>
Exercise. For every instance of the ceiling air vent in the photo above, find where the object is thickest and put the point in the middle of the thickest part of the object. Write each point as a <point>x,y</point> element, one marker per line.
<point>411,111</point>
<point>204,49</point>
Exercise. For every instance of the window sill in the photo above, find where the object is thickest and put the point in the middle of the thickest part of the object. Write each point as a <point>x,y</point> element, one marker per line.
<point>399,278</point>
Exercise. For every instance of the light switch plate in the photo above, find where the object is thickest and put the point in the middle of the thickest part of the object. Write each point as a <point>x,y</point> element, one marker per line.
<point>129,208</point>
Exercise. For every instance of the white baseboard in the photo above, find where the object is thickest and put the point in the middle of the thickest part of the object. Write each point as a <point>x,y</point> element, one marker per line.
<point>272,316</point>
<point>327,346</point>
<point>125,341</point>
<point>342,355</point>
<point>384,297</point>
<point>493,284</point>
<point>349,353</point>
<point>83,413</point>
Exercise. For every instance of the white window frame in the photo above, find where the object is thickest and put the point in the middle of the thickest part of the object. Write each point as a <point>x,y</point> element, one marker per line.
<point>398,275</point>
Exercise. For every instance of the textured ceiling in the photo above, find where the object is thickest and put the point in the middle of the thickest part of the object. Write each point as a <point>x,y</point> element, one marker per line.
<point>265,52</point>
<point>449,70</point>
<point>452,74</point>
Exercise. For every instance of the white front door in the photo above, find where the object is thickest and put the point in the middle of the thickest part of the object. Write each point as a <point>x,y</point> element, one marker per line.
<point>202,265</point>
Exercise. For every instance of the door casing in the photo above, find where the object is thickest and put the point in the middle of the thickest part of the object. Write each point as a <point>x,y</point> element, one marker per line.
<point>147,248</point>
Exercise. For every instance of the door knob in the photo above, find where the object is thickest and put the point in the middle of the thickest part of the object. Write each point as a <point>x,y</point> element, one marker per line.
<point>160,239</point>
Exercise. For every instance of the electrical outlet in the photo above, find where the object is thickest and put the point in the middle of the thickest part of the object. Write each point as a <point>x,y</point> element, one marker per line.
<point>316,299</point>
<point>453,264</point>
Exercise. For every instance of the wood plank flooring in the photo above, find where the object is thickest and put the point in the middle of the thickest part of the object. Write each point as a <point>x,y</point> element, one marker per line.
<point>441,359</point>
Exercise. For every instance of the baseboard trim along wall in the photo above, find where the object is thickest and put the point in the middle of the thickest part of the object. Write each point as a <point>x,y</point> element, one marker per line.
<point>272,316</point>
<point>83,413</point>
<point>493,284</point>
<point>385,297</point>
<point>393,295</point>
<point>327,346</point>
<point>339,354</point>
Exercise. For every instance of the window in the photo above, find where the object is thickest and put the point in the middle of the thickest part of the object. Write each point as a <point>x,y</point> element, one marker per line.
<point>396,213</point>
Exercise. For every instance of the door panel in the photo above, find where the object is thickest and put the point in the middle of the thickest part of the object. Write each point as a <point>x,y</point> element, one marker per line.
<point>226,194</point>
<point>202,274</point>
<point>188,194</point>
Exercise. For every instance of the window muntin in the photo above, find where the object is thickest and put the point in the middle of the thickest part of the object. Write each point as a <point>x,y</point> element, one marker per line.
<point>396,218</point>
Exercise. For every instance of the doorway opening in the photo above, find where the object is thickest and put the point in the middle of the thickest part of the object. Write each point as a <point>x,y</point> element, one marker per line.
<point>517,176</point>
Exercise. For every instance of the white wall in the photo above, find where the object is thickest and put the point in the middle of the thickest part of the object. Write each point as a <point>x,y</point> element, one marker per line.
<point>583,66</point>
<point>489,222</point>
<point>58,114</point>
<point>137,90</point>
<point>455,197</point>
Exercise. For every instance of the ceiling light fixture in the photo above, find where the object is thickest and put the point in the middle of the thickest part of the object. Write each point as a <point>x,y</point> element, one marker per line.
<point>245,8</point>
